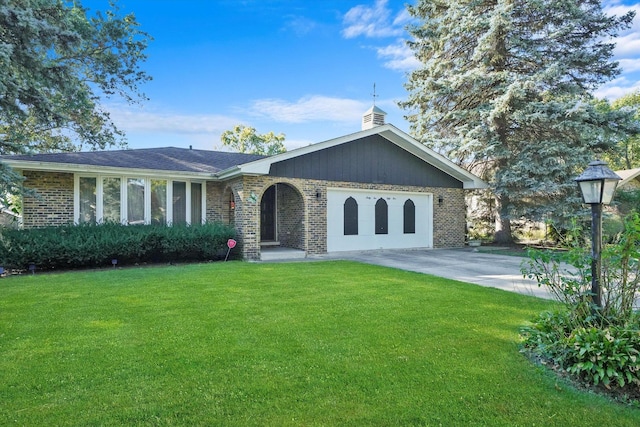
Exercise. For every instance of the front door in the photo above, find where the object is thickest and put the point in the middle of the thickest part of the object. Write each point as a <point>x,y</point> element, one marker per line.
<point>268,215</point>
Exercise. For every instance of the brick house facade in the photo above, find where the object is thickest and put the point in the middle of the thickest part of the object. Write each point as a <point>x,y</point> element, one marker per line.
<point>54,204</point>
<point>294,199</point>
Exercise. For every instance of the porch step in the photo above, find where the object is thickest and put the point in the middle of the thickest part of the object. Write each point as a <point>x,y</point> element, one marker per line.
<point>281,254</point>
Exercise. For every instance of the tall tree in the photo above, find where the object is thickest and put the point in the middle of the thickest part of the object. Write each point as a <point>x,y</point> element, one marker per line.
<point>244,139</point>
<point>627,155</point>
<point>505,87</point>
<point>57,63</point>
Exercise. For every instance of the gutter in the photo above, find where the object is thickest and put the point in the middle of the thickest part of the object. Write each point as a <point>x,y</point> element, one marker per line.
<point>107,170</point>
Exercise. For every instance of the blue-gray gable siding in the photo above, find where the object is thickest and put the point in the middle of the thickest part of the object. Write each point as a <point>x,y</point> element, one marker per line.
<point>372,160</point>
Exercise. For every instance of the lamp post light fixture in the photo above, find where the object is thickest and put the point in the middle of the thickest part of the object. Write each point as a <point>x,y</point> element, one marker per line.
<point>598,184</point>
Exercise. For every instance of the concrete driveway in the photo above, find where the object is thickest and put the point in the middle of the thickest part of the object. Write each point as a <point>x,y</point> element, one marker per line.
<point>466,265</point>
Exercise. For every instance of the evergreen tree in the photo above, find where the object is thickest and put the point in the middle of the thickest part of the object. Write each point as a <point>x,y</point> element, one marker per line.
<point>506,87</point>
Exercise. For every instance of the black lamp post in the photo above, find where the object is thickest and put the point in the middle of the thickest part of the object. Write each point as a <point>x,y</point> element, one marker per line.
<point>597,184</point>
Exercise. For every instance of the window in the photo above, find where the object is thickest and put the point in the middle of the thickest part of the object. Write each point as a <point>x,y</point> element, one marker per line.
<point>111,199</point>
<point>158,201</point>
<point>350,217</point>
<point>409,217</point>
<point>382,217</point>
<point>87,200</point>
<point>179,202</point>
<point>196,203</point>
<point>137,200</point>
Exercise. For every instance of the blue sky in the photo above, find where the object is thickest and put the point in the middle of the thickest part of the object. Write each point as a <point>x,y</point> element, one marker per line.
<point>305,68</point>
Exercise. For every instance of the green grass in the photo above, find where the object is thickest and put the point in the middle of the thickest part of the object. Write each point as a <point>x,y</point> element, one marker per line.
<point>239,344</point>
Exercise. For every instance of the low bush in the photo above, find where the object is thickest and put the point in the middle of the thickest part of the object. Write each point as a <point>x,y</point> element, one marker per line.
<point>82,246</point>
<point>607,356</point>
<point>596,344</point>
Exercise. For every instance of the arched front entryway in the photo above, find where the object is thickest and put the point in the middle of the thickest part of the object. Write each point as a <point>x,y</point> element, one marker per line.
<point>282,217</point>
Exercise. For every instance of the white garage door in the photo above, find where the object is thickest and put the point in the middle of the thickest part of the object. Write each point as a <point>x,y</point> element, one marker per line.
<point>369,219</point>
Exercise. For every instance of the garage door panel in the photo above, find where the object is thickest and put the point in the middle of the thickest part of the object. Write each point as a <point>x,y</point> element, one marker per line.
<point>366,237</point>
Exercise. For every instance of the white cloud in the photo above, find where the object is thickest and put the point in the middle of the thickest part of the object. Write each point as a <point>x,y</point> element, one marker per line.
<point>131,120</point>
<point>617,88</point>
<point>309,109</point>
<point>626,45</point>
<point>299,25</point>
<point>371,21</point>
<point>628,41</point>
<point>626,52</point>
<point>403,18</point>
<point>292,144</point>
<point>398,57</point>
<point>377,21</point>
<point>629,65</point>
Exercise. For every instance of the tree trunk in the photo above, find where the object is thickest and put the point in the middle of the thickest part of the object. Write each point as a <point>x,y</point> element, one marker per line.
<point>501,127</point>
<point>503,230</point>
<point>503,223</point>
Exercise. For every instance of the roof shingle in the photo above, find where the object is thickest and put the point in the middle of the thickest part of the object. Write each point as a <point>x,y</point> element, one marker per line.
<point>168,158</point>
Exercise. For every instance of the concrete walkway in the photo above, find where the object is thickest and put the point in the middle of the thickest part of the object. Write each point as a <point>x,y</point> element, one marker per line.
<point>466,265</point>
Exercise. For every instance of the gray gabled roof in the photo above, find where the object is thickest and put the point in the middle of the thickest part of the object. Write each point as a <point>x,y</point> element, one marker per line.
<point>389,132</point>
<point>162,159</point>
<point>222,165</point>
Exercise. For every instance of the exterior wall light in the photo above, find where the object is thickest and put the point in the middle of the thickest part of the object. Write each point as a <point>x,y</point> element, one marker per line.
<point>598,184</point>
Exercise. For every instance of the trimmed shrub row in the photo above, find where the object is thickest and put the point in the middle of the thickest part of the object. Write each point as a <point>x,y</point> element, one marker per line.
<point>82,246</point>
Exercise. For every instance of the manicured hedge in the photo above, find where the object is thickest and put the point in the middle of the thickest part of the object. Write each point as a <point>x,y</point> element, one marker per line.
<point>82,246</point>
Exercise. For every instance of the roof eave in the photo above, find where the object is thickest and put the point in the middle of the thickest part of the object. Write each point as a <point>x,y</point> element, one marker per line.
<point>405,141</point>
<point>628,175</point>
<point>74,168</point>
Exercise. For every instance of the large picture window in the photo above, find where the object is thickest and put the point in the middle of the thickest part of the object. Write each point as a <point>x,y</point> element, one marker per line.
<point>135,201</point>
<point>138,200</point>
<point>179,202</point>
<point>158,201</point>
<point>111,199</point>
<point>87,200</point>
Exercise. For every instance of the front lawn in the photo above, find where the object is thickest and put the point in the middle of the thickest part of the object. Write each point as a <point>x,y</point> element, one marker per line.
<point>323,343</point>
